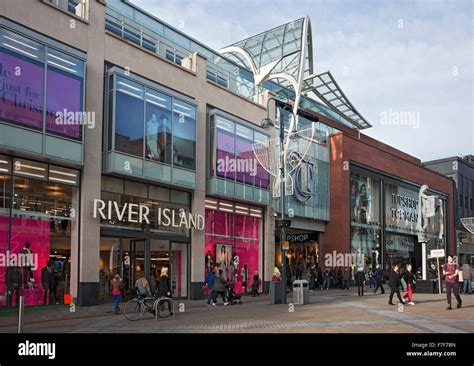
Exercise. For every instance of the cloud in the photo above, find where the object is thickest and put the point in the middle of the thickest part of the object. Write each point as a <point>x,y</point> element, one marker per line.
<point>410,56</point>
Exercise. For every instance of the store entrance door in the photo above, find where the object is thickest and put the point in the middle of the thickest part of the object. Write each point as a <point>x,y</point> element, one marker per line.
<point>135,264</point>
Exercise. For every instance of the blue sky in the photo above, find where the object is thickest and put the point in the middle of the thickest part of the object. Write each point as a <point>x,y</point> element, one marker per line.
<point>389,57</point>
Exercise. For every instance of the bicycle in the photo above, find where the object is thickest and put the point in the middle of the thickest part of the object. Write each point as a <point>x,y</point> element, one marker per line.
<point>135,309</point>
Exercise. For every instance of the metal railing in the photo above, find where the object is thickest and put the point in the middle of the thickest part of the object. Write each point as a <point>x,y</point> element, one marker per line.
<point>160,45</point>
<point>151,41</point>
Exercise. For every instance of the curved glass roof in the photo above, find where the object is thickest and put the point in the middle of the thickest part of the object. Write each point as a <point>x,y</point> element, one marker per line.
<point>276,51</point>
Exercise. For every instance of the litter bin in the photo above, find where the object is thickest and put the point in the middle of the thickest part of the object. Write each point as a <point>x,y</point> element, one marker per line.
<point>275,292</point>
<point>300,292</point>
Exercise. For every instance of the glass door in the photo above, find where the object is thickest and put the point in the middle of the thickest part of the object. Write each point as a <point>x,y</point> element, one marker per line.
<point>136,264</point>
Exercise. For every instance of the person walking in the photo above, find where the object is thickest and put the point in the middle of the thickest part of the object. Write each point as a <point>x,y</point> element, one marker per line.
<point>434,278</point>
<point>340,277</point>
<point>360,281</point>
<point>327,280</point>
<point>345,278</point>
<point>410,280</point>
<point>219,288</point>
<point>467,275</point>
<point>451,271</point>
<point>116,284</point>
<point>378,276</point>
<point>211,275</point>
<point>394,283</point>
<point>255,284</point>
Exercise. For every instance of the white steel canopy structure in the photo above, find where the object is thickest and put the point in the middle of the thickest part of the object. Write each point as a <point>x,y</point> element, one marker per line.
<point>285,54</point>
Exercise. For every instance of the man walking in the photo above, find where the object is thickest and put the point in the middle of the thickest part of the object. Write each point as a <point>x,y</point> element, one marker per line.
<point>394,283</point>
<point>378,276</point>
<point>360,281</point>
<point>451,271</point>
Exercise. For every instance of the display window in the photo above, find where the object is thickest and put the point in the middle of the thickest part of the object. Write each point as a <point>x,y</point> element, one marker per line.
<point>233,241</point>
<point>28,71</point>
<point>38,228</point>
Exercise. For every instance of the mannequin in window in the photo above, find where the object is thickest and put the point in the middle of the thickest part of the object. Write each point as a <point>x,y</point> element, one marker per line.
<point>152,128</point>
<point>27,271</point>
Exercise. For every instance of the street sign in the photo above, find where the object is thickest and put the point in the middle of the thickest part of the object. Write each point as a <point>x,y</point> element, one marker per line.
<point>437,253</point>
<point>285,245</point>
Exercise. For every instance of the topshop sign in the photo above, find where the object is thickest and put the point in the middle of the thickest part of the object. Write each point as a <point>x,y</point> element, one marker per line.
<point>140,213</point>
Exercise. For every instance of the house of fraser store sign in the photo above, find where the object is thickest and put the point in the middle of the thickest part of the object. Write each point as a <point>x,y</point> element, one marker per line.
<point>140,213</point>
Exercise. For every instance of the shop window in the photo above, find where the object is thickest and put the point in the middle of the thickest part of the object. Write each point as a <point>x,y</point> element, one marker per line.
<point>365,200</point>
<point>129,111</point>
<point>22,73</point>
<point>151,125</point>
<point>158,127</point>
<point>184,136</point>
<point>233,241</point>
<point>64,96</point>
<point>44,223</point>
<point>365,247</point>
<point>22,69</point>
<point>232,155</point>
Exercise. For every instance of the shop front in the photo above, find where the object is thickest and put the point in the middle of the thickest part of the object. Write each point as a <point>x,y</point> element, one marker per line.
<point>143,229</point>
<point>233,242</point>
<point>303,251</point>
<point>388,224</point>
<point>39,207</point>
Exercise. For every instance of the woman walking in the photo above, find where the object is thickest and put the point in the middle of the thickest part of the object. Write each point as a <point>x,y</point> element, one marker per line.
<point>409,278</point>
<point>394,283</point>
<point>164,289</point>
<point>116,284</point>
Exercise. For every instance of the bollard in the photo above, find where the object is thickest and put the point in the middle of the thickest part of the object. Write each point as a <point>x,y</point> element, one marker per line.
<point>21,309</point>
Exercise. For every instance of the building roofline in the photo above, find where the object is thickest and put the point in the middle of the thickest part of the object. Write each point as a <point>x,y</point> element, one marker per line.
<point>448,159</point>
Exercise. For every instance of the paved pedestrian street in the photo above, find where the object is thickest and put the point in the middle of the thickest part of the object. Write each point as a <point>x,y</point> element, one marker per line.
<point>331,311</point>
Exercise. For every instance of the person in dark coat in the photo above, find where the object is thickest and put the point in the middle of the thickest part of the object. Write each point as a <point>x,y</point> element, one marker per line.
<point>48,281</point>
<point>163,288</point>
<point>394,283</point>
<point>360,281</point>
<point>256,284</point>
<point>378,276</point>
<point>433,270</point>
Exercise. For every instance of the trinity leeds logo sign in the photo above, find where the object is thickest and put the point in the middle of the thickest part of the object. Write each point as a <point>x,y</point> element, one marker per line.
<point>140,213</point>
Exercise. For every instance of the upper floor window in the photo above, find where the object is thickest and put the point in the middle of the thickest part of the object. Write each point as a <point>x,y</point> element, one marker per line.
<point>152,125</point>
<point>41,87</point>
<point>232,153</point>
<point>79,8</point>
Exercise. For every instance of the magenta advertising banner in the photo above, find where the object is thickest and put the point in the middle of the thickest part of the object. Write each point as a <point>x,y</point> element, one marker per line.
<point>21,91</point>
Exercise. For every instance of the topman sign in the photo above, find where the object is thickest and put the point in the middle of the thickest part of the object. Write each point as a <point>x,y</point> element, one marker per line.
<point>140,213</point>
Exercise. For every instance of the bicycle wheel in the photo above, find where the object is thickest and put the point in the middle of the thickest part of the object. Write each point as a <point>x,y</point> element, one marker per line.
<point>134,309</point>
<point>165,307</point>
